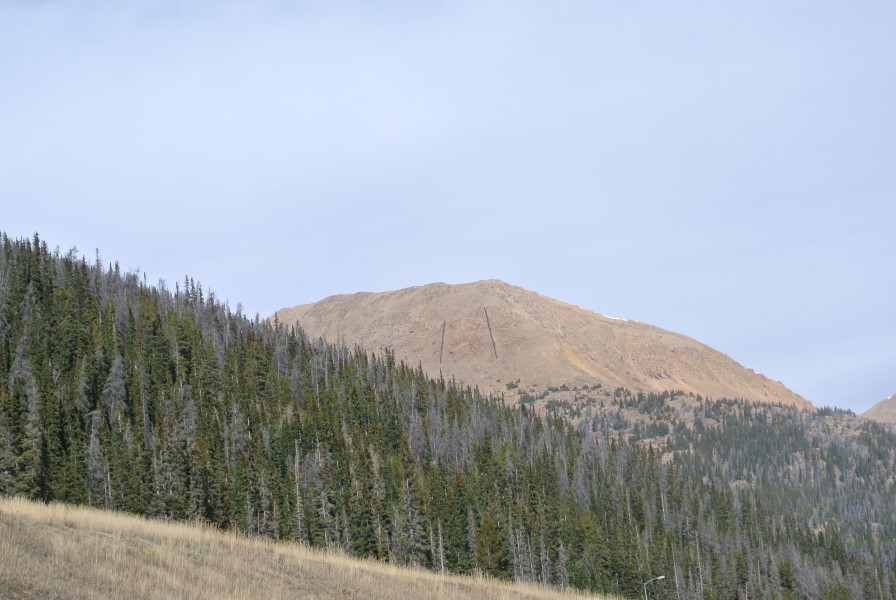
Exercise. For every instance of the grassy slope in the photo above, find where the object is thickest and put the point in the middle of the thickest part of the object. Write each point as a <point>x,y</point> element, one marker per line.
<point>60,551</point>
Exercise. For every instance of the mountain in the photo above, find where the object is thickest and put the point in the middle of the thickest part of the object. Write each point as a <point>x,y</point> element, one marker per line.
<point>167,404</point>
<point>884,411</point>
<point>503,338</point>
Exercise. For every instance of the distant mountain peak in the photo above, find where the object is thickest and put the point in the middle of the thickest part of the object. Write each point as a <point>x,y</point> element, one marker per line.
<point>506,339</point>
<point>884,411</point>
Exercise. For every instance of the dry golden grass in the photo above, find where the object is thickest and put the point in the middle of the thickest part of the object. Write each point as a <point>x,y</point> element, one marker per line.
<point>60,551</point>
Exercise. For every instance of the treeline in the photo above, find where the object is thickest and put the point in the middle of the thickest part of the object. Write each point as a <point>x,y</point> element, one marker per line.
<point>167,403</point>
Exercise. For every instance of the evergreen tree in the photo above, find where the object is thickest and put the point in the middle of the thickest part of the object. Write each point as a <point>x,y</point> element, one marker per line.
<point>134,397</point>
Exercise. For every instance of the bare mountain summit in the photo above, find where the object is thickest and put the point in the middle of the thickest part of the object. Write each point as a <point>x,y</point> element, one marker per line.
<point>884,411</point>
<point>506,339</point>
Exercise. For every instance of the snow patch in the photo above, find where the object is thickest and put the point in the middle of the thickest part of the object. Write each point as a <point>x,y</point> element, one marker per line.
<point>594,312</point>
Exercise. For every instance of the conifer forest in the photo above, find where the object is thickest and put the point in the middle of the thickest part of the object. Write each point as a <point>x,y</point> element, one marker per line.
<point>126,395</point>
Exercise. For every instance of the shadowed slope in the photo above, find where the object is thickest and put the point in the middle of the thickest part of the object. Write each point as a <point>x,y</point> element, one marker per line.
<point>501,337</point>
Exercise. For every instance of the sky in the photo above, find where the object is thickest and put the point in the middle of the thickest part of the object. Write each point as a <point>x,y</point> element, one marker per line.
<point>725,170</point>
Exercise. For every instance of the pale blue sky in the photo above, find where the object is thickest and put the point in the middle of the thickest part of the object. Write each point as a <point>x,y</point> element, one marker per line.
<point>725,170</point>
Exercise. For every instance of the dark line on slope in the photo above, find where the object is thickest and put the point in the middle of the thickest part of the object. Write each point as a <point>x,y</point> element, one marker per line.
<point>442,351</point>
<point>487,322</point>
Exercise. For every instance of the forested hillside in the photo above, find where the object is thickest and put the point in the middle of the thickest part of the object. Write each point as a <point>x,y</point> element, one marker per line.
<point>827,474</point>
<point>123,395</point>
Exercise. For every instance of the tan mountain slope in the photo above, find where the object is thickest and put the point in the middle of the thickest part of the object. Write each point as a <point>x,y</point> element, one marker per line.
<point>502,338</point>
<point>884,411</point>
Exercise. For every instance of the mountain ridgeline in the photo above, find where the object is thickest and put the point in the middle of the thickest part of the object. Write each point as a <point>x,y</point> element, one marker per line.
<point>121,395</point>
<point>504,339</point>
